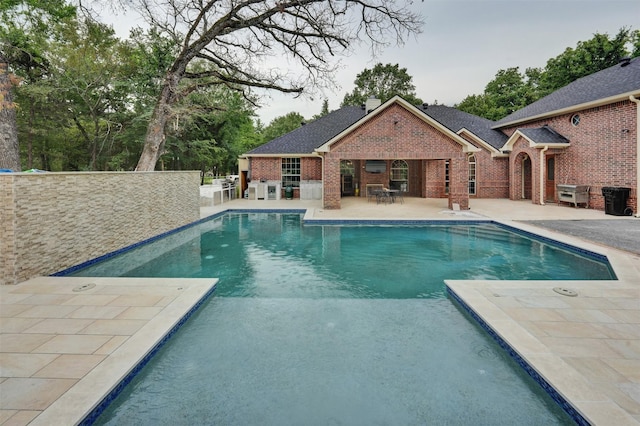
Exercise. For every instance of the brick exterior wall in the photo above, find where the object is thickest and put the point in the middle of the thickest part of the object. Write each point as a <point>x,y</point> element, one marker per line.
<point>602,152</point>
<point>492,176</point>
<point>52,221</point>
<point>397,134</point>
<point>311,168</point>
<point>270,168</point>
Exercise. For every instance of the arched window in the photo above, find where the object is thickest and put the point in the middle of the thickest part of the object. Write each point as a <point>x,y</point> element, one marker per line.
<point>347,167</point>
<point>472,175</point>
<point>399,175</point>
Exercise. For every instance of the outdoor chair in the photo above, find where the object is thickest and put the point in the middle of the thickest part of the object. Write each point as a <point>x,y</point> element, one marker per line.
<point>384,196</point>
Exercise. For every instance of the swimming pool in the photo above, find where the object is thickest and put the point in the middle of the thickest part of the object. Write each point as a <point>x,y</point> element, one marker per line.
<point>337,324</point>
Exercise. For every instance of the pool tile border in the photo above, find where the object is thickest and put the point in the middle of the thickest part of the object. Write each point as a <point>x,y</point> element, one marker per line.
<point>548,388</point>
<point>551,391</point>
<point>416,222</point>
<point>75,268</point>
<point>97,411</point>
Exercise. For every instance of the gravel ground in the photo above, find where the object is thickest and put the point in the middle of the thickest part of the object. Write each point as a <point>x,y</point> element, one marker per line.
<point>623,234</point>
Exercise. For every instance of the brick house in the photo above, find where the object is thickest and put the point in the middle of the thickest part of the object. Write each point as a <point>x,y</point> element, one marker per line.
<point>585,133</point>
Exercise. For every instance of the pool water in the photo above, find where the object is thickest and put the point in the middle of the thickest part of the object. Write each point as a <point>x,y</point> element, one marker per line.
<point>337,325</point>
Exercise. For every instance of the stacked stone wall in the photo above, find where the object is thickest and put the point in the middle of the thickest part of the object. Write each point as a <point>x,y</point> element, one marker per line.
<point>52,221</point>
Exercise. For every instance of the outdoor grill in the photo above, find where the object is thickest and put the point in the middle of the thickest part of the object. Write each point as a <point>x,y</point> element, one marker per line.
<point>573,194</point>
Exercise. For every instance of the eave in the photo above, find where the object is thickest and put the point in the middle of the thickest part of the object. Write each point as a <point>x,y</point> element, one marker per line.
<point>494,152</point>
<point>508,146</point>
<point>574,108</point>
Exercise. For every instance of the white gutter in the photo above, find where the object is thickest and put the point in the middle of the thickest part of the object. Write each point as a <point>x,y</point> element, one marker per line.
<point>637,102</point>
<point>542,163</point>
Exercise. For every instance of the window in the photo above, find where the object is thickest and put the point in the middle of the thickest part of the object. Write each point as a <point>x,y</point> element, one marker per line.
<point>291,172</point>
<point>347,168</point>
<point>551,168</point>
<point>575,119</point>
<point>399,175</point>
<point>446,177</point>
<point>472,175</point>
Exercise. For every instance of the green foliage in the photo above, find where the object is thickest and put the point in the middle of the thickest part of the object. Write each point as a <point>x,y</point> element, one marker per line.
<point>324,111</point>
<point>282,125</point>
<point>25,28</point>
<point>635,43</point>
<point>382,82</point>
<point>510,90</point>
<point>587,58</point>
<point>88,105</point>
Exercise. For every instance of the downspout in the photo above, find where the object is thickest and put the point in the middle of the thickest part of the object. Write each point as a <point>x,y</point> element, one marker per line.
<point>637,102</point>
<point>542,162</point>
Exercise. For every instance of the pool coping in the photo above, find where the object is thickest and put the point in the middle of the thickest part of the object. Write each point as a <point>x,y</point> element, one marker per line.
<point>575,409</point>
<point>87,305</point>
<point>619,261</point>
<point>579,397</point>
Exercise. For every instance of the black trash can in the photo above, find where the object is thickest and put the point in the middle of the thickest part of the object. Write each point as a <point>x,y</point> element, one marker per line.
<point>615,200</point>
<point>288,193</point>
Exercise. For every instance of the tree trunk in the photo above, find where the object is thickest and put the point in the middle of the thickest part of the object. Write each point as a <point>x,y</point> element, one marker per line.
<point>154,139</point>
<point>9,151</point>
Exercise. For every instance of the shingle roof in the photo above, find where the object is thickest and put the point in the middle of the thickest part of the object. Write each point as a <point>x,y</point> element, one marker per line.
<point>455,120</point>
<point>613,81</point>
<point>305,139</point>
<point>543,135</point>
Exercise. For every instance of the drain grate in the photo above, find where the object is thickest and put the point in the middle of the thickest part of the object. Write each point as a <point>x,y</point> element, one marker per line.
<point>565,291</point>
<point>84,287</point>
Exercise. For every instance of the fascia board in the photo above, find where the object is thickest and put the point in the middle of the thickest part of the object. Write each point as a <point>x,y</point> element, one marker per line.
<point>479,141</point>
<point>514,137</point>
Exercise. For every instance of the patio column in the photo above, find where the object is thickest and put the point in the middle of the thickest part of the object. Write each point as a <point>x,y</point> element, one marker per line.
<point>331,183</point>
<point>459,182</point>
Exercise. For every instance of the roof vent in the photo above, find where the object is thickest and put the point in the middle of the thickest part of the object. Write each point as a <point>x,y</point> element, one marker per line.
<point>625,61</point>
<point>425,105</point>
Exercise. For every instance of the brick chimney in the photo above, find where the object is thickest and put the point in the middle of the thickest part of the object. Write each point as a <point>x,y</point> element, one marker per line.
<point>371,104</point>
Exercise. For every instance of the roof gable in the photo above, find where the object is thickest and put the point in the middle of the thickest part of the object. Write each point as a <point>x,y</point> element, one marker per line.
<point>613,84</point>
<point>538,137</point>
<point>467,146</point>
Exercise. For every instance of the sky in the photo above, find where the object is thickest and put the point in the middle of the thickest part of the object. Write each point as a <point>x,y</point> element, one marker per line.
<point>464,43</point>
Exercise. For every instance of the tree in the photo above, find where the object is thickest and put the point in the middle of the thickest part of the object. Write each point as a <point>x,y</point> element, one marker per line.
<point>382,82</point>
<point>235,37</point>
<point>635,43</point>
<point>85,69</point>
<point>324,111</point>
<point>588,57</point>
<point>506,93</point>
<point>510,90</point>
<point>9,151</point>
<point>24,26</point>
<point>282,125</point>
